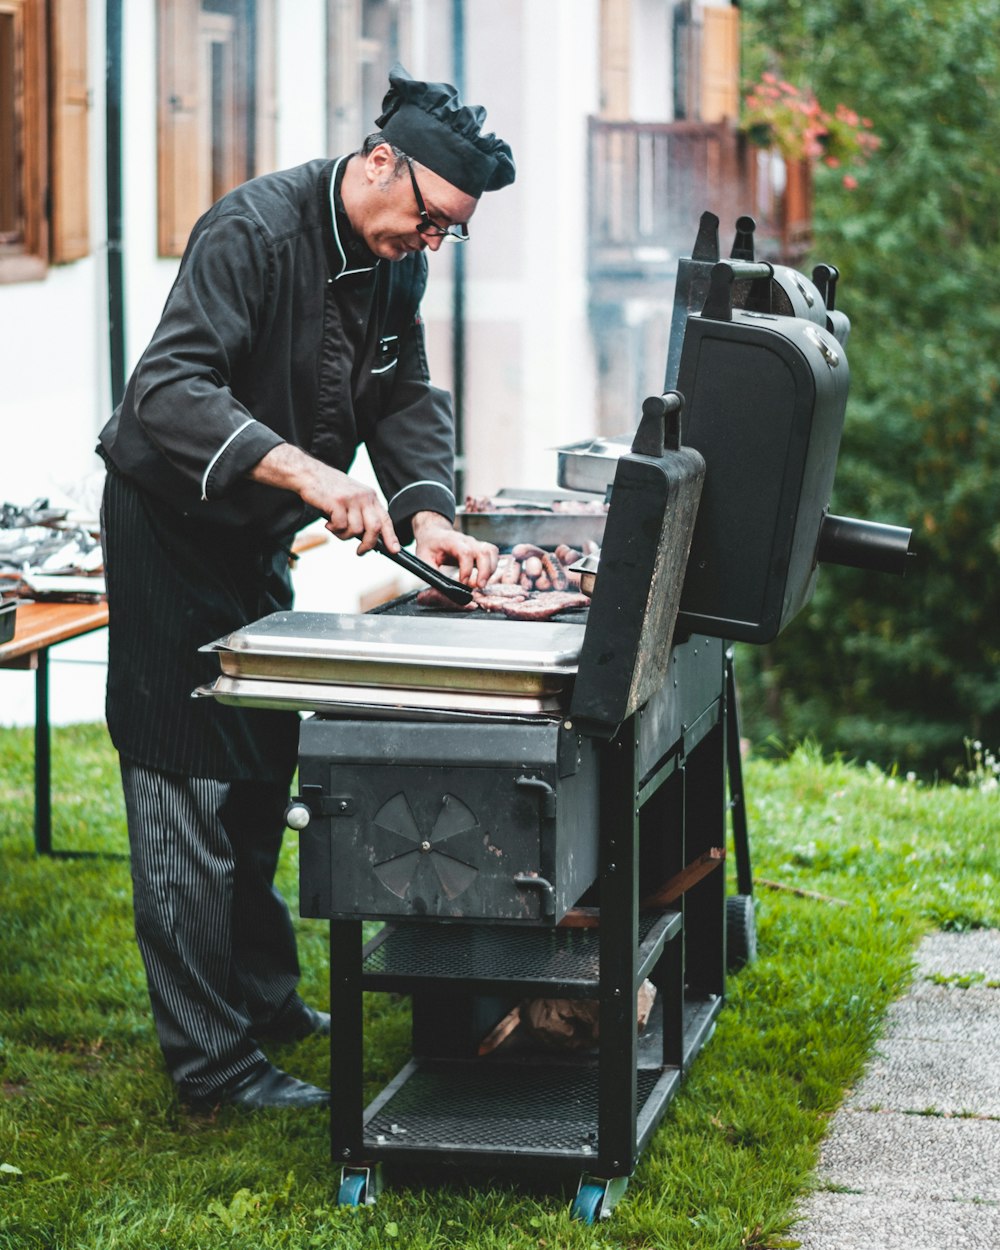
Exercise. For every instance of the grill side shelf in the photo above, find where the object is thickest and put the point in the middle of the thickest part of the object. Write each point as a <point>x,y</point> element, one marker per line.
<point>563,962</point>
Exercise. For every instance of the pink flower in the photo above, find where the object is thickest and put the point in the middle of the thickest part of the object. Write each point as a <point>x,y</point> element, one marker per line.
<point>850,182</point>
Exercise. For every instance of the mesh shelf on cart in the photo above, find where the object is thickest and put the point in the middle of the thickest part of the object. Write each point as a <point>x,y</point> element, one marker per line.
<point>568,957</point>
<point>495,1107</point>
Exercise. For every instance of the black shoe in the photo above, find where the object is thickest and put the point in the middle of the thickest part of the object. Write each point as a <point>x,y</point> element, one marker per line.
<point>267,1086</point>
<point>303,1024</point>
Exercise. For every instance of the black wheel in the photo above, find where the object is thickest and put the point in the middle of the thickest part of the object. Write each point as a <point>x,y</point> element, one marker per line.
<point>741,931</point>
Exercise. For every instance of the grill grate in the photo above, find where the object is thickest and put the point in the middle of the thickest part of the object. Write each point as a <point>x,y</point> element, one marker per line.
<point>495,1107</point>
<point>406,605</point>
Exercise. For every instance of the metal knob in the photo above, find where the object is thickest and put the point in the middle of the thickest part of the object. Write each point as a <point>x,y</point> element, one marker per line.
<point>297,816</point>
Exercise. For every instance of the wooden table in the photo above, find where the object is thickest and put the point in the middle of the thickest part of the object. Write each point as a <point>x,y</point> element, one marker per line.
<point>39,626</point>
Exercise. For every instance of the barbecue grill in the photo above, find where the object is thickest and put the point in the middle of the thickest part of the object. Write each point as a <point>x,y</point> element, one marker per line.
<point>538,811</point>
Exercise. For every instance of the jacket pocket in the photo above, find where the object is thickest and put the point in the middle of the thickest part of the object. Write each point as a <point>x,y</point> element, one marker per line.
<point>386,354</point>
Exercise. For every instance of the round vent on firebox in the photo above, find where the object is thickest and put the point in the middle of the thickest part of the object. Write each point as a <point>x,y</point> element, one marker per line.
<point>415,861</point>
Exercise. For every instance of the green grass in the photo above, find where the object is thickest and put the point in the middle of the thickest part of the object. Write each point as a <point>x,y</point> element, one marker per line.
<point>94,1152</point>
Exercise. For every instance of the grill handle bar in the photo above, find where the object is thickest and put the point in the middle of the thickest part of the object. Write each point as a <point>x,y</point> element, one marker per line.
<point>863,544</point>
<point>719,304</point>
<point>660,427</point>
<point>455,591</point>
<point>545,888</point>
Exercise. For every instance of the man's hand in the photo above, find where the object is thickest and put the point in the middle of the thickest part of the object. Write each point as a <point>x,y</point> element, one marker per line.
<point>352,509</point>
<point>438,542</point>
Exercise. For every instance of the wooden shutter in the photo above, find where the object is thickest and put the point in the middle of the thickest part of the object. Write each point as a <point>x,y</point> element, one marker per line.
<point>189,175</point>
<point>70,101</point>
<point>720,63</point>
<point>24,244</point>
<point>178,175</point>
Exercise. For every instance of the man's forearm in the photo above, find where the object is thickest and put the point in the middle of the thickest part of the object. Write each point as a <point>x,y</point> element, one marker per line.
<point>423,523</point>
<point>352,509</point>
<point>287,467</point>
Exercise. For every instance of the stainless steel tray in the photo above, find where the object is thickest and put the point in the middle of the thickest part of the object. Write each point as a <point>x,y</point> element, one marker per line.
<point>494,656</point>
<point>591,465</point>
<point>377,700</point>
<point>528,516</point>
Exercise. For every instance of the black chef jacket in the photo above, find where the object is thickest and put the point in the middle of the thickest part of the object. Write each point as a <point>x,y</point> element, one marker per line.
<point>280,327</point>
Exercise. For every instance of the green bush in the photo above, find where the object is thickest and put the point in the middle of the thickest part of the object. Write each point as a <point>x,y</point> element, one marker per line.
<point>903,671</point>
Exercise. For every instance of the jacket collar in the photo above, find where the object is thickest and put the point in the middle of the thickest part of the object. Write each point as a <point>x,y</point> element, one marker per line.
<point>350,255</point>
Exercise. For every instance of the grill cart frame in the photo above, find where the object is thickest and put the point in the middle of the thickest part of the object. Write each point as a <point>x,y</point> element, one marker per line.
<point>579,849</point>
<point>568,1116</point>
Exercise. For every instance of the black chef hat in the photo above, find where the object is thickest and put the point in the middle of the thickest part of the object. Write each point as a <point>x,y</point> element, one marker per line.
<point>428,122</point>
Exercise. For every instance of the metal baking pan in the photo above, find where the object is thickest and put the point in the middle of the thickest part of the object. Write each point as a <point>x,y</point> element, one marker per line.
<point>378,700</point>
<point>498,656</point>
<point>591,465</point>
<point>529,516</point>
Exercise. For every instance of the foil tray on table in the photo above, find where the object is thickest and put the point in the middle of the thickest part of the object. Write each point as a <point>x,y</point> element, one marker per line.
<point>8,613</point>
<point>317,660</point>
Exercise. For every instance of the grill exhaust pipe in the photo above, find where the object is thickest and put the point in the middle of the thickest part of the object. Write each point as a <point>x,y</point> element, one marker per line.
<point>863,544</point>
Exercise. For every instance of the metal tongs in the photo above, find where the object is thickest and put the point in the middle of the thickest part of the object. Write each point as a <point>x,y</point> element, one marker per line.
<point>455,591</point>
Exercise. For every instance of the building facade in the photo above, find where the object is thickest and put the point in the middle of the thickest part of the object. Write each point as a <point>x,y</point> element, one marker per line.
<point>120,123</point>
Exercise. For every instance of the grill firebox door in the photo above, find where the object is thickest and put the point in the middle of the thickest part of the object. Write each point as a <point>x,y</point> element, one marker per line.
<point>492,821</point>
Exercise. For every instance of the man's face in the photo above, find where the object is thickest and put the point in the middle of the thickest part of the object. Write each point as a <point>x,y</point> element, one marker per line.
<point>391,214</point>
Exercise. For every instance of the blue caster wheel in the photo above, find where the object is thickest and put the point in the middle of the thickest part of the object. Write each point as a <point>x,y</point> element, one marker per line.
<point>587,1203</point>
<point>741,932</point>
<point>352,1191</point>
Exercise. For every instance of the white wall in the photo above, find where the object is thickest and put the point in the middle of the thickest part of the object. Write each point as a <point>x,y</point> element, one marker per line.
<point>652,79</point>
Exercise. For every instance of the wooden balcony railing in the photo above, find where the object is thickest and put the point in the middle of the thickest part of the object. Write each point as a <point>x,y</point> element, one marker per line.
<point>651,181</point>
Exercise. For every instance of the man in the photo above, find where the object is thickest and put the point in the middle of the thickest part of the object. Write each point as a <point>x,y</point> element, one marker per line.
<point>290,336</point>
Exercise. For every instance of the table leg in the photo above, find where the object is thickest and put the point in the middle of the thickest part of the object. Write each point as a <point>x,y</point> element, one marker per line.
<point>43,758</point>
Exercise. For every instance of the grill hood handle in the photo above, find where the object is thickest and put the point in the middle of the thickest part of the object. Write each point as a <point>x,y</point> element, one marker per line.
<point>660,427</point>
<point>719,304</point>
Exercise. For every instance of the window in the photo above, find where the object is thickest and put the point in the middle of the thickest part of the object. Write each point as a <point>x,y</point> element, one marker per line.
<point>366,37</point>
<point>215,107</point>
<point>43,136</point>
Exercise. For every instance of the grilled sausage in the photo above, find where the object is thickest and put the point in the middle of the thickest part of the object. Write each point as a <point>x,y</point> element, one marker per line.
<point>556,572</point>
<point>523,550</point>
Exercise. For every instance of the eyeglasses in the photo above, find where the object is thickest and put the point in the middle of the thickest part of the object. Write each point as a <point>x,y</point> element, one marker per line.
<point>429,229</point>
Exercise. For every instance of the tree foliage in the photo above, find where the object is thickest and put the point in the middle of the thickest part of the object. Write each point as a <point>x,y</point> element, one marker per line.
<point>902,671</point>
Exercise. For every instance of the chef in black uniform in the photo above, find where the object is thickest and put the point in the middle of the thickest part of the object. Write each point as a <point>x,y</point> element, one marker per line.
<point>291,335</point>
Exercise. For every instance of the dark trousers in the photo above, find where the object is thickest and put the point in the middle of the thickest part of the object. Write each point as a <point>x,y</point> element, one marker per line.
<point>214,932</point>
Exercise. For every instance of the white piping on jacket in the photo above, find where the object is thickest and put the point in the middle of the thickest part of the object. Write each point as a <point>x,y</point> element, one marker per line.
<point>344,271</point>
<point>423,482</point>
<point>215,459</point>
